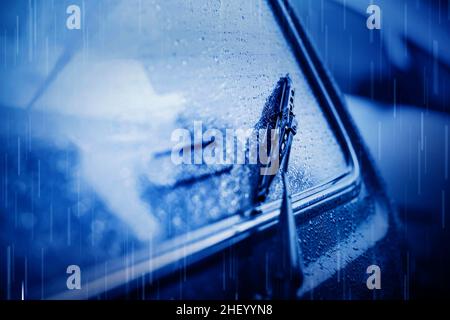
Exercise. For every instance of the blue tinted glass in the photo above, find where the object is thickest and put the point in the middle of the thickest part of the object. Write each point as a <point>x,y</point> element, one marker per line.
<point>87,117</point>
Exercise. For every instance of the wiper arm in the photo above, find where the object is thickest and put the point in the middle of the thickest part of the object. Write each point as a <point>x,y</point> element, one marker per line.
<point>288,275</point>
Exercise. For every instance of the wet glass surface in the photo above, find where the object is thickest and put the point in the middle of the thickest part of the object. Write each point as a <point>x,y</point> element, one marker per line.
<point>84,117</point>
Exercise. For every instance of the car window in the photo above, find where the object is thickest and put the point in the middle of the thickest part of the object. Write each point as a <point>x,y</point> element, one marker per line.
<point>87,121</point>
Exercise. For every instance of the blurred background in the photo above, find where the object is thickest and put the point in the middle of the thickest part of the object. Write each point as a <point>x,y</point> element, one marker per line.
<point>396,83</point>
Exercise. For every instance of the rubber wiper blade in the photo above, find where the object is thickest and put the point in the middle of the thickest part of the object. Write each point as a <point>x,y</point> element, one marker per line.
<point>283,121</point>
<point>287,259</point>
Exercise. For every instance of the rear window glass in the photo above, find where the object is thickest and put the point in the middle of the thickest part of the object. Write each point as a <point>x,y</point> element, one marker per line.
<point>87,117</point>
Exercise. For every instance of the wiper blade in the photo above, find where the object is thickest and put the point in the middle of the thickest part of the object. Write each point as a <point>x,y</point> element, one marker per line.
<point>285,125</point>
<point>287,261</point>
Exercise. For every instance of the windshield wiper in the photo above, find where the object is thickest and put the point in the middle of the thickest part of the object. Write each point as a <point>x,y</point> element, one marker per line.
<point>287,262</point>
